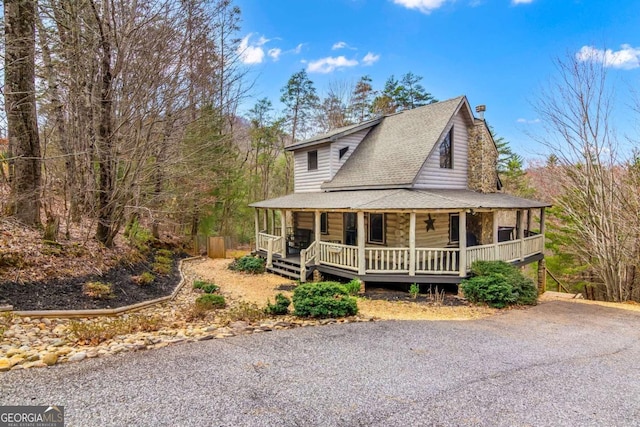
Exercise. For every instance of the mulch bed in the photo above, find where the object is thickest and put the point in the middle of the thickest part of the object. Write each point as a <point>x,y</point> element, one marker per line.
<point>66,293</point>
<point>387,294</point>
<point>392,293</point>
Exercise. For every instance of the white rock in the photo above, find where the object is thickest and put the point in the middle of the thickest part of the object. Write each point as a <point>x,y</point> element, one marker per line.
<point>78,357</point>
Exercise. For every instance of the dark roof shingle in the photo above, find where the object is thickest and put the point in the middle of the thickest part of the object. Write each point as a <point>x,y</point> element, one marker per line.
<point>393,152</point>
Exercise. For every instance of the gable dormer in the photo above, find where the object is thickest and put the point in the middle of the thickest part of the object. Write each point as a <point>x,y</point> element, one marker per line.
<point>317,160</point>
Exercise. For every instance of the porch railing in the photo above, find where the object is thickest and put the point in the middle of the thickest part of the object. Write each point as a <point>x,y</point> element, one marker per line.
<point>387,260</point>
<point>533,245</point>
<point>509,251</point>
<point>338,255</point>
<point>272,245</point>
<point>480,253</point>
<point>278,244</point>
<point>437,260</point>
<point>307,256</point>
<point>382,260</point>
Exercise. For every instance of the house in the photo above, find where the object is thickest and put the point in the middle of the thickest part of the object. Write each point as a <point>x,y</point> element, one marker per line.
<point>409,197</point>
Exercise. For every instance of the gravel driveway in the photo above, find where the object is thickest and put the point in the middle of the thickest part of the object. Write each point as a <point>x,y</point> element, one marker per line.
<point>559,363</point>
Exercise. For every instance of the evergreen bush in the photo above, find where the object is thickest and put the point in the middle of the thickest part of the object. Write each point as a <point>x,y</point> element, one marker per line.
<point>248,264</point>
<point>499,284</point>
<point>211,301</point>
<point>280,307</point>
<point>323,299</point>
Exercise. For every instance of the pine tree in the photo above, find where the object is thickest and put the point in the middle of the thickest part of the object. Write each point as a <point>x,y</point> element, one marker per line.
<point>411,94</point>
<point>362,100</point>
<point>300,98</point>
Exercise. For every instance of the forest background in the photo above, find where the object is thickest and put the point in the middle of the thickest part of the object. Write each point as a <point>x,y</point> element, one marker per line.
<point>122,118</point>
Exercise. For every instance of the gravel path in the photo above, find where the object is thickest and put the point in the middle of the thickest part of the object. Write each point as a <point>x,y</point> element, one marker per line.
<point>559,363</point>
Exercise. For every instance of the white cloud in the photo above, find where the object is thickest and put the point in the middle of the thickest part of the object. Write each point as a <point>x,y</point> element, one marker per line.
<point>274,53</point>
<point>528,122</point>
<point>424,6</point>
<point>626,58</point>
<point>370,58</point>
<point>329,64</point>
<point>521,1</point>
<point>251,53</point>
<point>298,49</point>
<point>339,45</point>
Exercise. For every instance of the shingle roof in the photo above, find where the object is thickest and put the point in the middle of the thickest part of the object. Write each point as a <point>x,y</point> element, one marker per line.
<point>333,135</point>
<point>399,199</point>
<point>393,152</point>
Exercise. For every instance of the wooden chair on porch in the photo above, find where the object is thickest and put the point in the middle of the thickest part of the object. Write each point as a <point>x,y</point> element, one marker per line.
<point>300,239</point>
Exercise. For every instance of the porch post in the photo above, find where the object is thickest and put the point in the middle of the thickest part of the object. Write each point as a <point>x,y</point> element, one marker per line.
<point>265,221</point>
<point>283,231</point>
<point>542,267</point>
<point>528,222</point>
<point>542,225</point>
<point>270,253</point>
<point>462,243</point>
<point>362,268</point>
<point>257,226</point>
<point>317,235</point>
<point>273,222</point>
<point>316,226</point>
<point>521,233</point>
<point>412,244</point>
<point>496,253</point>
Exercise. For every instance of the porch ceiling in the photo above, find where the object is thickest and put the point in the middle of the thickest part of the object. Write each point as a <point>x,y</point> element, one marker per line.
<point>399,199</point>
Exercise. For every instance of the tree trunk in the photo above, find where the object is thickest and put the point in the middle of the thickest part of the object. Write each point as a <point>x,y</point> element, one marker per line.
<point>106,229</point>
<point>20,103</point>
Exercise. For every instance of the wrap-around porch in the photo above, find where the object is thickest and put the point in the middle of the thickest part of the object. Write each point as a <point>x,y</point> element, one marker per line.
<point>434,246</point>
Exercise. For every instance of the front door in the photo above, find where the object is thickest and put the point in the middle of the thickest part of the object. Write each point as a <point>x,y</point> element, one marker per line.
<point>350,229</point>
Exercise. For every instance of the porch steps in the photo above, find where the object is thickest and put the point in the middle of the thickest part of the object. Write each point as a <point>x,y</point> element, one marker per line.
<point>287,268</point>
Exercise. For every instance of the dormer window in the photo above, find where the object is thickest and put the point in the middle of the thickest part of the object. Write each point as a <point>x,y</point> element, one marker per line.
<point>446,151</point>
<point>312,160</point>
<point>343,151</point>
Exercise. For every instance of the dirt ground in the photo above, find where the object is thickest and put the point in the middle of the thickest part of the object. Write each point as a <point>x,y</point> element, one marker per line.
<point>263,287</point>
<point>257,288</point>
<point>560,296</point>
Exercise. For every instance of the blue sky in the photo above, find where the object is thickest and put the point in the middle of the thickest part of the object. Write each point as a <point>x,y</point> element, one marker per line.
<point>497,52</point>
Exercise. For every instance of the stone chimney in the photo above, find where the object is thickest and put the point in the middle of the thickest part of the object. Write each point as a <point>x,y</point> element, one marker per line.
<point>482,156</point>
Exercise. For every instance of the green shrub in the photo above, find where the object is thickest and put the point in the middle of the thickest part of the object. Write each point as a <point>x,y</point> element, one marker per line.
<point>280,307</point>
<point>207,287</point>
<point>160,268</point>
<point>145,278</point>
<point>499,284</point>
<point>163,260</point>
<point>248,264</point>
<point>323,299</point>
<point>98,290</point>
<point>210,288</point>
<point>414,290</point>
<point>165,253</point>
<point>138,236</point>
<point>211,301</point>
<point>353,287</point>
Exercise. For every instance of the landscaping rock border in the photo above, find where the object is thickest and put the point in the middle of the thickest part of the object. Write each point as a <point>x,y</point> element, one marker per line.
<point>44,340</point>
<point>107,312</point>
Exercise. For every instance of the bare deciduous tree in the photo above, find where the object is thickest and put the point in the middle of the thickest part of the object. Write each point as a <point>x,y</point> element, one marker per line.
<point>598,194</point>
<point>20,104</point>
